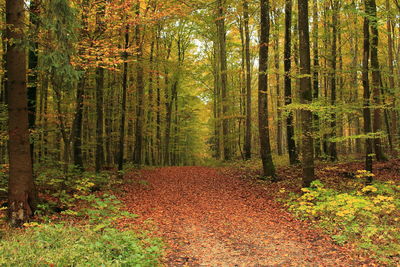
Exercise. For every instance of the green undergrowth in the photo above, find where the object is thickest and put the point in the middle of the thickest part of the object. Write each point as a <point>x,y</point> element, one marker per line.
<point>365,215</point>
<point>89,236</point>
<point>77,223</point>
<point>66,245</point>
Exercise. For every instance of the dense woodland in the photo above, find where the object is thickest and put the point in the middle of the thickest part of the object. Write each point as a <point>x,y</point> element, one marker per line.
<point>102,84</point>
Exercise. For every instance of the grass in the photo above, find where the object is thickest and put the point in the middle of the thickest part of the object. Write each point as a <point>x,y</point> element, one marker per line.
<point>67,245</point>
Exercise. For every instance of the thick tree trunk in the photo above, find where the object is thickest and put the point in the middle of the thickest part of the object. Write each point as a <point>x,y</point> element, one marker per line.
<point>307,146</point>
<point>21,190</point>
<point>293,156</point>
<point>263,125</point>
<point>377,121</point>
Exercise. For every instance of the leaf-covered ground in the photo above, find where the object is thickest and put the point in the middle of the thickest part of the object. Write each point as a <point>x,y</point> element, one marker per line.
<point>209,218</point>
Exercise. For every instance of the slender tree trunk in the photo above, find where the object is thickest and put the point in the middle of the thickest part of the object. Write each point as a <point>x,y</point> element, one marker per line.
<point>168,109</point>
<point>316,75</point>
<point>21,189</point>
<point>332,146</point>
<point>138,151</point>
<point>224,77</point>
<point>354,81</point>
<point>123,104</point>
<point>248,134</point>
<point>99,161</point>
<point>33,76</point>
<point>77,144</point>
<point>109,118</point>
<point>307,146</point>
<point>265,147</point>
<point>392,85</point>
<point>279,131</point>
<point>100,118</point>
<point>293,156</point>
<point>150,117</point>
<point>367,96</point>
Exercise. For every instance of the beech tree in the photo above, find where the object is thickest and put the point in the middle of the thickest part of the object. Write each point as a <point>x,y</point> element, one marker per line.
<point>21,189</point>
<point>263,125</point>
<point>305,91</point>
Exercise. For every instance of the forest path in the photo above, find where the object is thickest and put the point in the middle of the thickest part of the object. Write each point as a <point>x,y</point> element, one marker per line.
<point>210,219</point>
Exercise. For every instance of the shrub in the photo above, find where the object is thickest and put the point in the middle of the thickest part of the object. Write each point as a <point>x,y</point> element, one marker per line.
<point>367,215</point>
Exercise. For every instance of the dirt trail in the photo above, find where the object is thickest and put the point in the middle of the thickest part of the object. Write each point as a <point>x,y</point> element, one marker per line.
<point>210,219</point>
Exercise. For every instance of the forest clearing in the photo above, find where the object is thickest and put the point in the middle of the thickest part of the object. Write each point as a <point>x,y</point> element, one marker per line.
<point>199,133</point>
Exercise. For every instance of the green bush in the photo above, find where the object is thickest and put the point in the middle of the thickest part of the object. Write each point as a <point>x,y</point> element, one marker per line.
<point>58,245</point>
<point>366,215</point>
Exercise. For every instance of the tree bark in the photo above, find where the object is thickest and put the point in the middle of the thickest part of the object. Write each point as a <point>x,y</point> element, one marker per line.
<point>377,121</point>
<point>316,76</point>
<point>77,145</point>
<point>21,189</point>
<point>293,156</point>
<point>99,162</point>
<point>367,95</point>
<point>33,75</point>
<point>224,77</point>
<point>137,158</point>
<point>263,124</point>
<point>248,134</point>
<point>279,130</point>
<point>123,103</point>
<point>307,146</point>
<point>100,118</point>
<point>332,145</point>
<point>392,85</point>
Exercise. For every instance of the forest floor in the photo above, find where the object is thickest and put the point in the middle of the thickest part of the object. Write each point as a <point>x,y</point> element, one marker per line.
<point>209,217</point>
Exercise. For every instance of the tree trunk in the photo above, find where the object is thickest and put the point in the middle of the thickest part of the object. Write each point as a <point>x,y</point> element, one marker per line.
<point>100,118</point>
<point>224,77</point>
<point>367,95</point>
<point>99,161</point>
<point>77,145</point>
<point>293,156</point>
<point>392,85</point>
<point>265,147</point>
<point>377,122</point>
<point>150,118</point>
<point>316,76</point>
<point>307,146</point>
<point>123,103</point>
<point>279,130</point>
<point>33,77</point>
<point>248,134</point>
<point>21,190</point>
<point>137,159</point>
<point>332,146</point>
